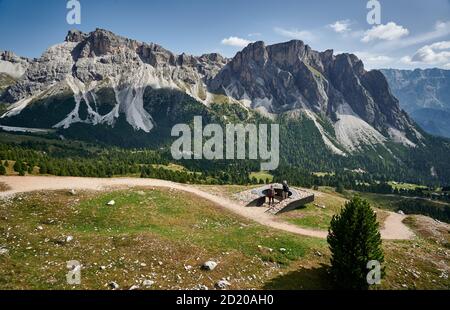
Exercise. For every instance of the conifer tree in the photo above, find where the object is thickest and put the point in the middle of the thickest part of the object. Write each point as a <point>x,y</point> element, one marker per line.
<point>354,241</point>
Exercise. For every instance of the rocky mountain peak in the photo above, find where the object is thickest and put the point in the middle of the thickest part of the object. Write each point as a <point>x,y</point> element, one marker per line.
<point>75,35</point>
<point>102,42</point>
<point>273,79</point>
<point>349,63</point>
<point>13,65</point>
<point>289,76</point>
<point>254,53</point>
<point>101,61</point>
<point>7,56</point>
<point>214,57</point>
<point>12,57</point>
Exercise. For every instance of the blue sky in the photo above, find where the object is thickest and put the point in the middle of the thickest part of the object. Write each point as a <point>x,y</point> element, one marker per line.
<point>413,33</point>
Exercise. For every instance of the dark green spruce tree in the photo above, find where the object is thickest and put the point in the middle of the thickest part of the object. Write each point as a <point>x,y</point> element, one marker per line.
<point>354,240</point>
<point>2,170</point>
<point>18,166</point>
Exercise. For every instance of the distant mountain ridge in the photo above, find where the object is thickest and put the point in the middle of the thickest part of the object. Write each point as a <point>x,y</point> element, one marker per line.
<point>425,95</point>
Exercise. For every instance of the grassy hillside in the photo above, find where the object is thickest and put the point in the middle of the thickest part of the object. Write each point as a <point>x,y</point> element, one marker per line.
<point>165,236</point>
<point>148,234</point>
<point>421,263</point>
<point>261,176</point>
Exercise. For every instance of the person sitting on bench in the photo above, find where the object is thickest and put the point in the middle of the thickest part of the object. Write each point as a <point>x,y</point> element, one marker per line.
<point>285,190</point>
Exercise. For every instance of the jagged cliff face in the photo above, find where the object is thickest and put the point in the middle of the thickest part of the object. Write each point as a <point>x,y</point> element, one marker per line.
<point>290,76</point>
<point>88,63</point>
<point>277,79</point>
<point>102,56</point>
<point>13,65</point>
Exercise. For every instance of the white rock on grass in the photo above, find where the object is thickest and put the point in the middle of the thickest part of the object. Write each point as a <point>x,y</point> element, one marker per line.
<point>200,287</point>
<point>148,283</point>
<point>134,287</point>
<point>113,285</point>
<point>111,203</point>
<point>444,275</point>
<point>209,265</point>
<point>69,239</point>
<point>3,251</point>
<point>223,284</point>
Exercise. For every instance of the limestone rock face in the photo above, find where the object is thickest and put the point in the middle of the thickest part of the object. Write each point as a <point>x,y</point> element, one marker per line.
<point>75,36</point>
<point>13,65</point>
<point>104,56</point>
<point>85,64</point>
<point>289,76</point>
<point>277,79</point>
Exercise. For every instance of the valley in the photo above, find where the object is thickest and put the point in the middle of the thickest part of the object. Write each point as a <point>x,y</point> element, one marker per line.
<point>117,92</point>
<point>88,172</point>
<point>293,154</point>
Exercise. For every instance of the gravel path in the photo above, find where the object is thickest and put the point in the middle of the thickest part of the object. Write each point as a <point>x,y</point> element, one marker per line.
<point>394,228</point>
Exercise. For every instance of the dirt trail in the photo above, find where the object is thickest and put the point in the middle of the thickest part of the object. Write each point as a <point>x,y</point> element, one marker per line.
<point>394,228</point>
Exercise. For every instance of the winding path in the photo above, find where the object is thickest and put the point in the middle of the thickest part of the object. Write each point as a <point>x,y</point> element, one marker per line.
<point>394,229</point>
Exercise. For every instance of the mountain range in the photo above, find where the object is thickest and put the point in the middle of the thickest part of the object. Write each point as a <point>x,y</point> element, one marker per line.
<point>425,95</point>
<point>105,88</point>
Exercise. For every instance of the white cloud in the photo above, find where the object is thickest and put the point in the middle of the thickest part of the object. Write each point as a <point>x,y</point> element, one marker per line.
<point>389,32</point>
<point>235,41</point>
<point>372,60</point>
<point>406,60</point>
<point>440,26</point>
<point>440,30</point>
<point>341,26</point>
<point>436,53</point>
<point>294,34</point>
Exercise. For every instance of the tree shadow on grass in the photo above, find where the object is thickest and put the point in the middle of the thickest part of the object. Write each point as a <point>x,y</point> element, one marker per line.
<point>302,279</point>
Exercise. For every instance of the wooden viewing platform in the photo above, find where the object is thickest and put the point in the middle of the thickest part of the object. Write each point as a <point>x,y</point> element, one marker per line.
<point>297,199</point>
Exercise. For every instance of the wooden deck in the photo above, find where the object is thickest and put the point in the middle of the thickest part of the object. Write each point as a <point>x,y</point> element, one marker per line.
<point>297,199</point>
